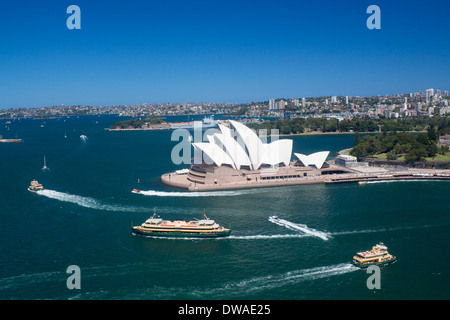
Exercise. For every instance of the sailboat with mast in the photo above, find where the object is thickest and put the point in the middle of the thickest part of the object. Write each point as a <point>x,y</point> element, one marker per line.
<point>44,168</point>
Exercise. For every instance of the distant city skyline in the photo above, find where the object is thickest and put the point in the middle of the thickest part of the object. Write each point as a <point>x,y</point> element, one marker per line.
<point>222,51</point>
<point>419,103</point>
<point>273,103</point>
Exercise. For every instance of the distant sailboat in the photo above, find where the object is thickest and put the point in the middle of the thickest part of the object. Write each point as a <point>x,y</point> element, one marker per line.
<point>45,165</point>
<point>65,135</point>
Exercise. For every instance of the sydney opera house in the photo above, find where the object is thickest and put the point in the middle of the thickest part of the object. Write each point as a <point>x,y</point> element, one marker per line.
<point>235,157</point>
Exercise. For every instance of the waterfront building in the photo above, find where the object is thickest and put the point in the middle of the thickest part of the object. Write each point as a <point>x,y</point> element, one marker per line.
<point>316,160</point>
<point>345,160</point>
<point>235,157</point>
<point>237,146</point>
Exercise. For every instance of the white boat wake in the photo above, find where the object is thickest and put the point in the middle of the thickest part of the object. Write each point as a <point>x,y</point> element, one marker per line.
<point>391,229</point>
<point>237,289</point>
<point>299,227</point>
<point>402,180</point>
<point>291,277</point>
<point>86,201</point>
<point>247,287</point>
<point>267,237</point>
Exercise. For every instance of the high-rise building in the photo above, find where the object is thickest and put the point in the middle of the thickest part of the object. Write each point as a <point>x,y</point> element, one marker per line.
<point>333,99</point>
<point>346,100</point>
<point>280,105</point>
<point>271,104</point>
<point>303,102</point>
<point>405,104</point>
<point>429,94</point>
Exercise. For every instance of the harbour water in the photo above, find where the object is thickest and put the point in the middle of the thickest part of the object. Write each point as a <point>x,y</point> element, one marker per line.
<point>84,218</point>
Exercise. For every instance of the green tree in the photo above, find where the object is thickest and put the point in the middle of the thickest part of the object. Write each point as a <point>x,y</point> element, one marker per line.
<point>359,151</point>
<point>391,156</point>
<point>416,155</point>
<point>423,138</point>
<point>357,139</point>
<point>432,135</point>
<point>431,149</point>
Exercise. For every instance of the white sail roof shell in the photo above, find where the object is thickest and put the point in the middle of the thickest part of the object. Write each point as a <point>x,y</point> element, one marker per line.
<point>214,153</point>
<point>239,146</point>
<point>232,147</point>
<point>251,141</point>
<point>317,159</point>
<point>277,152</point>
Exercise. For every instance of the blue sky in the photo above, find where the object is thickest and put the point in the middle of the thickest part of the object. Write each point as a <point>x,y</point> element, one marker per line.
<point>218,51</point>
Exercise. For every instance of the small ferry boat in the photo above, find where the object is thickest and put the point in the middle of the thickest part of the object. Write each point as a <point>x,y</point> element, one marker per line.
<point>204,228</point>
<point>377,256</point>
<point>35,186</point>
<point>207,122</point>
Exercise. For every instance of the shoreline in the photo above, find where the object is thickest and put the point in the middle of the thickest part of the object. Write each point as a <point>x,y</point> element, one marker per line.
<point>313,133</point>
<point>137,129</point>
<point>319,133</point>
<point>361,177</point>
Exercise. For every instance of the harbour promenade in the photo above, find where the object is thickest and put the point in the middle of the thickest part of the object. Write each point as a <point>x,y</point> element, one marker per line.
<point>180,180</point>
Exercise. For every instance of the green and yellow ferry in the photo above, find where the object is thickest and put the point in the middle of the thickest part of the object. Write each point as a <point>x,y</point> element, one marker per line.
<point>157,227</point>
<point>377,256</point>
